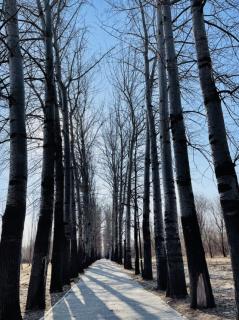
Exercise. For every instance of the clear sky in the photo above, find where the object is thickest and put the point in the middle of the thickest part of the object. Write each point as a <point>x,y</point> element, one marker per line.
<point>100,40</point>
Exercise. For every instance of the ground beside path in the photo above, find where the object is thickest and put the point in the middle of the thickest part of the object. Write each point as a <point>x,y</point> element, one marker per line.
<point>106,292</point>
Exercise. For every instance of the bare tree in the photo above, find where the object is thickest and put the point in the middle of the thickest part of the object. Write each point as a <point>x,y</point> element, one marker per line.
<point>147,272</point>
<point>37,285</point>
<point>14,215</point>
<point>200,286</point>
<point>176,277</point>
<point>224,167</point>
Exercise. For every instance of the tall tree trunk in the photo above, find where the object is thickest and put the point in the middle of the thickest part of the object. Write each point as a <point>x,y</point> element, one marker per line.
<point>140,246</point>
<point>121,210</point>
<point>136,231</point>
<point>176,278</point>
<point>113,219</point>
<point>37,285</point>
<point>80,248</point>
<point>67,165</point>
<point>74,257</point>
<point>76,176</point>
<point>161,260</point>
<point>86,199</point>
<point>200,286</point>
<point>224,167</point>
<point>14,215</point>
<point>127,260</point>
<point>116,232</point>
<point>147,271</point>
<point>58,240</point>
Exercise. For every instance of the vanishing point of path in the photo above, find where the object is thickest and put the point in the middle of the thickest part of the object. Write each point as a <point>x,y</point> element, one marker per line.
<point>106,292</point>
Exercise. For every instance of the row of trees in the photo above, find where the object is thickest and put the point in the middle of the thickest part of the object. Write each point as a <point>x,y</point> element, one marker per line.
<point>165,47</point>
<point>45,79</point>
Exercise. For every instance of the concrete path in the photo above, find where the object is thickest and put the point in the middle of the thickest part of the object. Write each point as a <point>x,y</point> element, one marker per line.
<point>106,292</point>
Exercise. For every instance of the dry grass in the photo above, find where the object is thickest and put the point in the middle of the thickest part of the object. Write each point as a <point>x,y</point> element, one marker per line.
<point>222,283</point>
<point>51,299</point>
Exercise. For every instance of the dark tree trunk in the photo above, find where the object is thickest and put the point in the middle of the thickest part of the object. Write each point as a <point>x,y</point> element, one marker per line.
<point>58,240</point>
<point>67,166</point>
<point>128,258</point>
<point>136,244</point>
<point>74,257</point>
<point>86,200</point>
<point>116,248</point>
<point>76,177</point>
<point>176,278</point>
<point>200,286</point>
<point>140,247</point>
<point>14,215</point>
<point>67,186</point>
<point>121,213</point>
<point>80,248</point>
<point>37,285</point>
<point>147,271</point>
<point>224,167</point>
<point>161,261</point>
<point>74,252</point>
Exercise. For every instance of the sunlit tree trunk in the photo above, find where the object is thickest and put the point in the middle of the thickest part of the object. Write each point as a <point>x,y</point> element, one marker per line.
<point>14,215</point>
<point>176,278</point>
<point>37,285</point>
<point>224,167</point>
<point>200,286</point>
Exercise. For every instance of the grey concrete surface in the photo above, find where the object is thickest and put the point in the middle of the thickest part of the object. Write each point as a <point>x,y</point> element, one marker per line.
<point>105,292</point>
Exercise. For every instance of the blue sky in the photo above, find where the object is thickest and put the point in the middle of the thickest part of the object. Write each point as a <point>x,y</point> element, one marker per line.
<point>99,40</point>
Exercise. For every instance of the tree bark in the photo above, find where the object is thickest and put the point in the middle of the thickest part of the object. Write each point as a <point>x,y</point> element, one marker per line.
<point>74,257</point>
<point>176,278</point>
<point>147,271</point>
<point>37,285</point>
<point>86,200</point>
<point>67,165</point>
<point>227,182</point>
<point>123,185</point>
<point>14,215</point>
<point>58,240</point>
<point>127,260</point>
<point>161,261</point>
<point>200,286</point>
<point>136,209</point>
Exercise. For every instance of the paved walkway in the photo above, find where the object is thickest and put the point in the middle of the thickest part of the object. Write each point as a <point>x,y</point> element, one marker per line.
<point>106,292</point>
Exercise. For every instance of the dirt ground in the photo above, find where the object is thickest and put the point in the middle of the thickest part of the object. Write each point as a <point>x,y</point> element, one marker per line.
<point>51,299</point>
<point>222,284</point>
